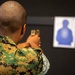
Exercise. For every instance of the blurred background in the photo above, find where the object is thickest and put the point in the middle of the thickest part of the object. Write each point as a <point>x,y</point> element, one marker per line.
<point>41,15</point>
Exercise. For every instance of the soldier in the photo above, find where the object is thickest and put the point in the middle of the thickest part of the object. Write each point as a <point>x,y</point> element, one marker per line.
<point>16,60</point>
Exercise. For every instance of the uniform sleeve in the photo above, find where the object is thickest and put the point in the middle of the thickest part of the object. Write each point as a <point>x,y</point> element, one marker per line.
<point>46,65</point>
<point>29,61</point>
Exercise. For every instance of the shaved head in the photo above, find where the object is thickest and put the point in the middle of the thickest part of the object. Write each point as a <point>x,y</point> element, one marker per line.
<point>12,16</point>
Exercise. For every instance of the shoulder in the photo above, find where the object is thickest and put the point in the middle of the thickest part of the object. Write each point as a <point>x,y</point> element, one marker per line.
<point>28,53</point>
<point>28,50</point>
<point>29,58</point>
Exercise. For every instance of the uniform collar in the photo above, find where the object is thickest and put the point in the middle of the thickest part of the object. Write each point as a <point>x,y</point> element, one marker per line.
<point>7,40</point>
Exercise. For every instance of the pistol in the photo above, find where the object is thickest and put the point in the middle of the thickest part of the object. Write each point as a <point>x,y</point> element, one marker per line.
<point>34,32</point>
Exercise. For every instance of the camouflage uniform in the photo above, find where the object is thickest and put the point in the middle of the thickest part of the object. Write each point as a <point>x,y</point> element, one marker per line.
<point>14,61</point>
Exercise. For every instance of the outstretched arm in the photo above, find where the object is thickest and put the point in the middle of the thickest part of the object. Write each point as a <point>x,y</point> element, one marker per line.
<point>33,41</point>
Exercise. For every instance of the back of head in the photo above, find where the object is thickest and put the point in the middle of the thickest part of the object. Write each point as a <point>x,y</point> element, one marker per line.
<point>12,16</point>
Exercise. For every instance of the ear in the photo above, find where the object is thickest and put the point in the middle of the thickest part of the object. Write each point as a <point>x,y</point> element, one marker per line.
<point>23,29</point>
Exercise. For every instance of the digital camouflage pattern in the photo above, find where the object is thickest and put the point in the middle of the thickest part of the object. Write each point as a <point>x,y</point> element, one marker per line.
<point>14,61</point>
